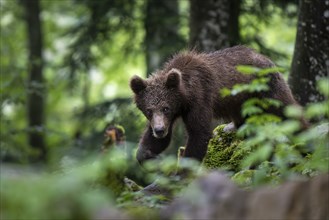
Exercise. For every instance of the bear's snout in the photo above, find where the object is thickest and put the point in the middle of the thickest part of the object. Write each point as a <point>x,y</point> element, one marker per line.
<point>159,126</point>
<point>159,131</point>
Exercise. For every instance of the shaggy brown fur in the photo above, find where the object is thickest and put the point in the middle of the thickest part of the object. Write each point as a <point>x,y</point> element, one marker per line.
<point>188,86</point>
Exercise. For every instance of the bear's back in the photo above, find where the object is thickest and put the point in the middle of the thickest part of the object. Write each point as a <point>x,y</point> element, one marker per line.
<point>240,55</point>
<point>223,64</point>
<point>216,68</point>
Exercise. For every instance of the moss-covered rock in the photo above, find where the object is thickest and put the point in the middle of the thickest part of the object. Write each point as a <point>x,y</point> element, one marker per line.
<point>224,150</point>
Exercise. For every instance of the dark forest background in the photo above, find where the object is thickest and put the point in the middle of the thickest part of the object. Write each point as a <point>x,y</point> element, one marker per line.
<point>66,64</point>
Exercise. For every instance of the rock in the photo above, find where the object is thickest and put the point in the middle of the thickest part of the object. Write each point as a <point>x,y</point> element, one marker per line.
<point>131,185</point>
<point>155,189</point>
<point>285,202</point>
<point>229,128</point>
<point>211,197</point>
<point>110,213</point>
<point>292,200</point>
<point>319,197</point>
<point>214,196</point>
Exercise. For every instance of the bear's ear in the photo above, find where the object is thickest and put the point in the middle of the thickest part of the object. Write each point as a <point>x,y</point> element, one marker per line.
<point>137,84</point>
<point>173,78</point>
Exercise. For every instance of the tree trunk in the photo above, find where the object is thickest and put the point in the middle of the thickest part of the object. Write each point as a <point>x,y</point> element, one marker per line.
<point>35,83</point>
<point>161,38</point>
<point>310,61</point>
<point>214,24</point>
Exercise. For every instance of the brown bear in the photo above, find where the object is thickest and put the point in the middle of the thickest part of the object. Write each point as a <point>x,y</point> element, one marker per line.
<point>189,86</point>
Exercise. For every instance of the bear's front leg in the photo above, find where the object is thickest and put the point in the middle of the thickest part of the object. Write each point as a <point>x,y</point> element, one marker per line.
<point>198,126</point>
<point>150,146</point>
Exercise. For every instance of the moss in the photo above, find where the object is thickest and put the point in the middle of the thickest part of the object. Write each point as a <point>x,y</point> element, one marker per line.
<point>244,177</point>
<point>224,150</point>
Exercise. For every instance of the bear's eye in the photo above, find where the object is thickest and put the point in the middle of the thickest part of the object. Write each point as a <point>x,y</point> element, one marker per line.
<point>148,112</point>
<point>165,109</point>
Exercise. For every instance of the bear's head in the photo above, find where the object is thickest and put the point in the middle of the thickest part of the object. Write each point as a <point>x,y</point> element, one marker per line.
<point>159,98</point>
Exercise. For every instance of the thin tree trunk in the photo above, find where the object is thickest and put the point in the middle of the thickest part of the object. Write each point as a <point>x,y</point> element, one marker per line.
<point>35,83</point>
<point>214,24</point>
<point>161,38</point>
<point>311,55</point>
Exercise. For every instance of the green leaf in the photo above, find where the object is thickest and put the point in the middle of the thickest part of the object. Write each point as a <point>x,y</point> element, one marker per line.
<point>289,126</point>
<point>261,154</point>
<point>317,110</point>
<point>323,86</point>
<point>293,111</point>
<point>225,92</point>
<point>263,119</point>
<point>266,71</point>
<point>251,110</point>
<point>273,102</point>
<point>247,69</point>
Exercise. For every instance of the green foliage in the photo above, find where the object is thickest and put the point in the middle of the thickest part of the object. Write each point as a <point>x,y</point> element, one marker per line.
<point>108,80</point>
<point>12,83</point>
<point>117,111</point>
<point>91,33</point>
<point>164,170</point>
<point>251,70</point>
<point>169,177</point>
<point>76,191</point>
<point>276,150</point>
<point>258,84</point>
<point>44,200</point>
<point>270,29</point>
<point>255,106</point>
<point>64,195</point>
<point>129,116</point>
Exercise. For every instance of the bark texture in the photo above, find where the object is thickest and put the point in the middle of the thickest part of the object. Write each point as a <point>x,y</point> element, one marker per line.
<point>214,24</point>
<point>311,56</point>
